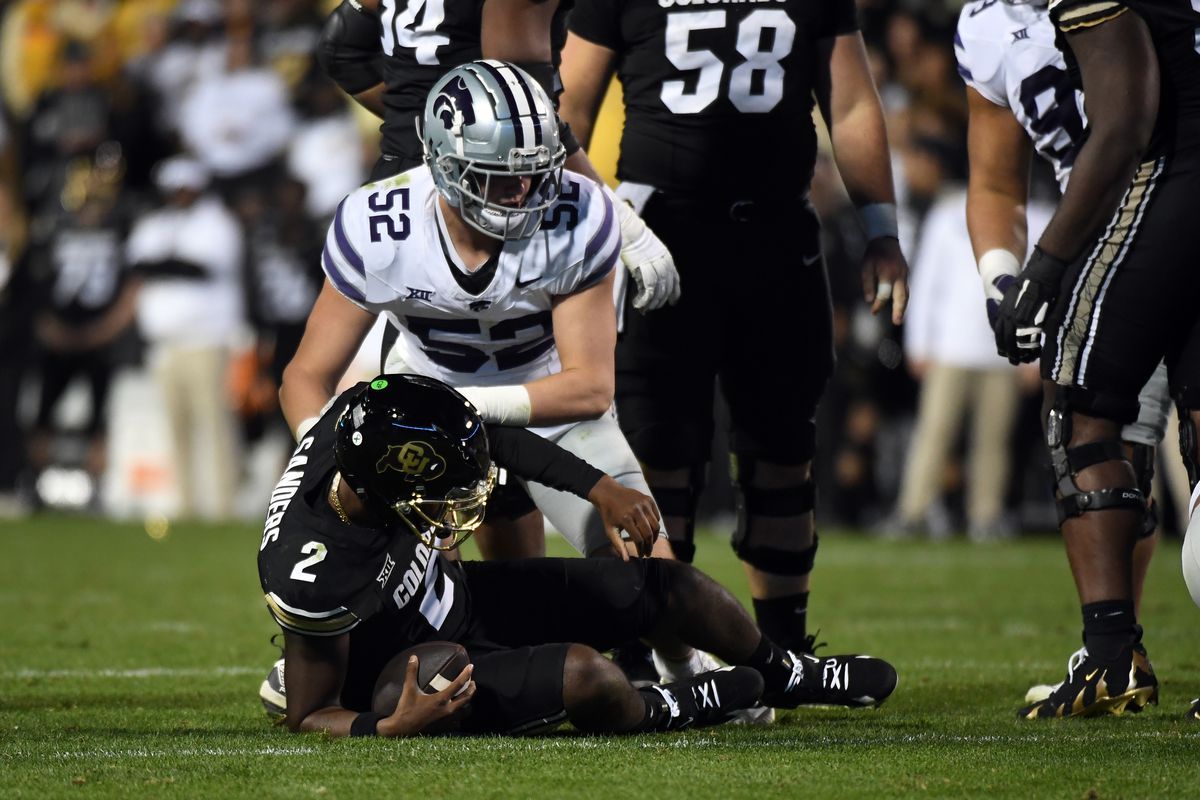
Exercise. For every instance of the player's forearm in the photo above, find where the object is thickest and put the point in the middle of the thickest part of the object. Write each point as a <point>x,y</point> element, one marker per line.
<point>571,395</point>
<point>334,721</point>
<point>579,162</point>
<point>996,221</point>
<point>302,395</point>
<point>860,150</point>
<point>1103,170</point>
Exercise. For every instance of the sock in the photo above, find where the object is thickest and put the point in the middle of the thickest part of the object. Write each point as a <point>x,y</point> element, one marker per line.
<point>773,664</point>
<point>1109,626</point>
<point>784,620</point>
<point>658,715</point>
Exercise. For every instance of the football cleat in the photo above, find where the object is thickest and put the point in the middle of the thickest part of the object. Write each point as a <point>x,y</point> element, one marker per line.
<point>700,662</point>
<point>710,698</point>
<point>1041,691</point>
<point>1193,713</point>
<point>273,693</point>
<point>1093,688</point>
<point>852,681</point>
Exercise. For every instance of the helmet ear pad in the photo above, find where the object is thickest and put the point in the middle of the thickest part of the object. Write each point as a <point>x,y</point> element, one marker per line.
<point>414,450</point>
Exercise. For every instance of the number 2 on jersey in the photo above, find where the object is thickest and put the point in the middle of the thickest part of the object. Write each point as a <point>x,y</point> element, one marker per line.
<point>759,63</point>
<point>319,552</point>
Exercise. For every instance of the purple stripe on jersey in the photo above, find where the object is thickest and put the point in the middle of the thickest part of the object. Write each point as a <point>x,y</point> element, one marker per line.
<point>338,280</point>
<point>348,252</point>
<point>518,134</point>
<point>597,241</point>
<point>599,273</point>
<point>965,73</point>
<point>958,42</point>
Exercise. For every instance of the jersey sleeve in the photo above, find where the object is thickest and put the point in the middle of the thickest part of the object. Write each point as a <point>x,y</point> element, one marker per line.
<point>328,622</point>
<point>598,21</point>
<point>357,244</point>
<point>841,18</point>
<point>601,229</point>
<point>532,458</point>
<point>980,56</point>
<point>1072,15</point>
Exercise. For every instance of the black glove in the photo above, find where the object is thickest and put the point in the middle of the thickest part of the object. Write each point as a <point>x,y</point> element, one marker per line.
<point>1027,301</point>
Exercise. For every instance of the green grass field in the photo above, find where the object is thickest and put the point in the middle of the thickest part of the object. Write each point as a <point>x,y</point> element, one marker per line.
<point>129,666</point>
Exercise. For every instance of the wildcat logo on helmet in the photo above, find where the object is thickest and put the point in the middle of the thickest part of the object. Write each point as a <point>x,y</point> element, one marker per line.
<point>414,460</point>
<point>453,106</point>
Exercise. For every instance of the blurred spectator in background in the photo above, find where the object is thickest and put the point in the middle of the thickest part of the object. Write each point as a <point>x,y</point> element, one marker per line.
<point>84,305</point>
<point>15,323</point>
<point>951,350</point>
<point>188,255</point>
<point>238,121</point>
<point>326,153</point>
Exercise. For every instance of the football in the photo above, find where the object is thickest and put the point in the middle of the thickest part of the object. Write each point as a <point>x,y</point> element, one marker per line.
<point>438,664</point>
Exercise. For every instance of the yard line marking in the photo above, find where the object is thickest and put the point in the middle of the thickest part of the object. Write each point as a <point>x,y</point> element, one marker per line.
<point>143,672</point>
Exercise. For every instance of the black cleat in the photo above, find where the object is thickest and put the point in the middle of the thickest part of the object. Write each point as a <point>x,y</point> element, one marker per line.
<point>273,693</point>
<point>1094,688</point>
<point>852,681</point>
<point>709,698</point>
<point>1193,714</point>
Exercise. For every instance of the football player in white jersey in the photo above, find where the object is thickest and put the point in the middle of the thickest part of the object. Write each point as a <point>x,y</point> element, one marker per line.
<point>497,266</point>
<point>1021,100</point>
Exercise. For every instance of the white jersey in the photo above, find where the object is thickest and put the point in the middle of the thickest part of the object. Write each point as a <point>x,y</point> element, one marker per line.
<point>388,252</point>
<point>1007,54</point>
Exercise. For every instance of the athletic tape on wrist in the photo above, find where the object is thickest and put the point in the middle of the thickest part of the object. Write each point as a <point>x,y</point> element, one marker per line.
<point>879,220</point>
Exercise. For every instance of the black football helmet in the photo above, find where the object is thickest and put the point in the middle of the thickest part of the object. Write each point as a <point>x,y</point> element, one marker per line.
<point>411,446</point>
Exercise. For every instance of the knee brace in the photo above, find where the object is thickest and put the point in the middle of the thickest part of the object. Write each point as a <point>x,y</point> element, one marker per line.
<point>1143,468</point>
<point>1069,462</point>
<point>682,502</point>
<point>1189,442</point>
<point>785,501</point>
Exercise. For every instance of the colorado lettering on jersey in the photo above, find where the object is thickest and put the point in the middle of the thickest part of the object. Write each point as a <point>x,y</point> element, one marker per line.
<point>285,490</point>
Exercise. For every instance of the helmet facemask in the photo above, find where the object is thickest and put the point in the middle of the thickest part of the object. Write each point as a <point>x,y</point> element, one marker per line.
<point>445,523</point>
<point>468,184</point>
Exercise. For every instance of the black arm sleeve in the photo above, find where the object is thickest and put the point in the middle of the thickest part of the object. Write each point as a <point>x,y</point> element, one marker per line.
<point>170,268</point>
<point>533,458</point>
<point>350,50</point>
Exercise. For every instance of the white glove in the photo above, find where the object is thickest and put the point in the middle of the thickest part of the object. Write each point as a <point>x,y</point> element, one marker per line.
<point>648,260</point>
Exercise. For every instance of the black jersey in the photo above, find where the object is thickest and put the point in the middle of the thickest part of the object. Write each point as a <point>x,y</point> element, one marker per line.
<point>81,267</point>
<point>1175,29</point>
<point>322,577</point>
<point>422,41</point>
<point>713,87</point>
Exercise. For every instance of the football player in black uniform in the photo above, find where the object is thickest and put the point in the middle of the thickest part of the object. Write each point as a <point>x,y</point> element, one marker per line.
<point>1112,282</point>
<point>356,566</point>
<point>717,155</point>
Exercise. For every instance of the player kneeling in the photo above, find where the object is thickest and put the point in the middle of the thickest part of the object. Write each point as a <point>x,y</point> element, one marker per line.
<point>357,566</point>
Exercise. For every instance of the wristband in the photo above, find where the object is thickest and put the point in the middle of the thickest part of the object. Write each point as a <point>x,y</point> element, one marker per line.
<point>879,220</point>
<point>366,724</point>
<point>994,265</point>
<point>500,405</point>
<point>305,426</point>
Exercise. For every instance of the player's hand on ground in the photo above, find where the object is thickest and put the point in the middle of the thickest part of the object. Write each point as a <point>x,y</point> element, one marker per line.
<point>417,710</point>
<point>1028,298</point>
<point>885,276</point>
<point>649,262</point>
<point>625,509</point>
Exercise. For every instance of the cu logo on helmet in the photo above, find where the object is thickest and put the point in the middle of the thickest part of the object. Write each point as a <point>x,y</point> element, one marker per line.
<point>453,106</point>
<point>413,460</point>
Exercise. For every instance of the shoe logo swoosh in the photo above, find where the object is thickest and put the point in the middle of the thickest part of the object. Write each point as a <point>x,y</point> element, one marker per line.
<point>810,260</point>
<point>1091,675</point>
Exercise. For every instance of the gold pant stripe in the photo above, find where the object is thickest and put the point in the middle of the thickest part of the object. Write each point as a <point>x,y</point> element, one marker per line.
<point>1079,326</point>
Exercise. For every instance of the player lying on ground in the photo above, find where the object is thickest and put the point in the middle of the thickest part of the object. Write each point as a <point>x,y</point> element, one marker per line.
<point>356,564</point>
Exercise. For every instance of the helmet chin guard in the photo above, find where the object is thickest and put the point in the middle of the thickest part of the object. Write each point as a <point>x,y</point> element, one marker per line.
<point>489,119</point>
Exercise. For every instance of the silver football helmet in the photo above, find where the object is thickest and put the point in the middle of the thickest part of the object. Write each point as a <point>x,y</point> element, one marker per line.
<point>488,119</point>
